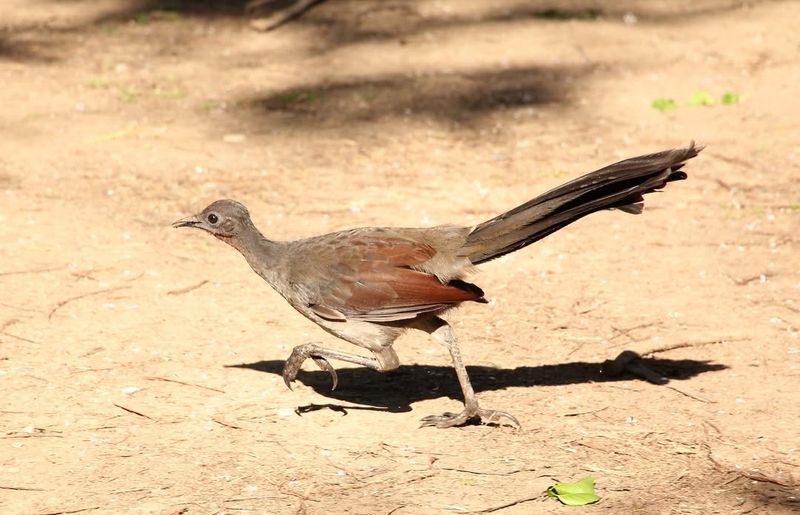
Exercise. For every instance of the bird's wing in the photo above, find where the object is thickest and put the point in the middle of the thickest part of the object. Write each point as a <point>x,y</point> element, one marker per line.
<point>371,276</point>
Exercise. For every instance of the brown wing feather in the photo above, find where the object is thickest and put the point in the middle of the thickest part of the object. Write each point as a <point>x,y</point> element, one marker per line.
<point>373,279</point>
<point>409,288</point>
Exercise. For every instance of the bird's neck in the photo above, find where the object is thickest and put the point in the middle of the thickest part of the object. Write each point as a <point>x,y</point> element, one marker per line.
<point>262,254</point>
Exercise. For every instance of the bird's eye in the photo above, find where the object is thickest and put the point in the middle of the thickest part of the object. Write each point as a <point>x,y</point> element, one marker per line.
<point>212,218</point>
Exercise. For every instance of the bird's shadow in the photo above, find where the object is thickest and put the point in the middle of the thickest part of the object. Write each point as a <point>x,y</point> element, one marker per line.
<point>395,391</point>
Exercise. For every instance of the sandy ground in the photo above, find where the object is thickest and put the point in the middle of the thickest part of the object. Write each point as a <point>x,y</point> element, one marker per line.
<point>140,365</point>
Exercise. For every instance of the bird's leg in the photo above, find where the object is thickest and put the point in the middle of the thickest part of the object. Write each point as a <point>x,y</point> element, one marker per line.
<point>385,359</point>
<point>442,332</point>
<point>279,16</point>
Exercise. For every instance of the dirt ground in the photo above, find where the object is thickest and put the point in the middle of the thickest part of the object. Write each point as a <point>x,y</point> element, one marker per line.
<point>140,365</point>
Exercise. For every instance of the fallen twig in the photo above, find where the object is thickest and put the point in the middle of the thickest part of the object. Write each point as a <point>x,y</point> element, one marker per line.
<point>8,323</point>
<point>687,394</point>
<point>135,277</point>
<point>226,424</point>
<point>132,411</point>
<point>64,302</point>
<point>60,512</point>
<point>22,488</point>
<point>482,473</point>
<point>508,505</point>
<point>684,345</point>
<point>576,413</point>
<point>20,338</point>
<point>33,271</point>
<point>30,435</point>
<point>747,280</point>
<point>129,491</point>
<point>601,448</point>
<point>87,274</point>
<point>587,310</point>
<point>627,330</point>
<point>184,383</point>
<point>181,291</point>
<point>761,478</point>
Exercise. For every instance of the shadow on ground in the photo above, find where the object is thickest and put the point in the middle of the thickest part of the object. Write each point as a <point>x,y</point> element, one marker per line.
<point>395,391</point>
<point>34,49</point>
<point>767,494</point>
<point>455,97</point>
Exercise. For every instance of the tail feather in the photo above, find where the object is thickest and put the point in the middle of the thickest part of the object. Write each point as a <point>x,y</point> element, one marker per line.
<point>617,186</point>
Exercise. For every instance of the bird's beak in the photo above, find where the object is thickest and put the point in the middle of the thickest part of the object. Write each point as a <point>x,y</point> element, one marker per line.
<point>189,221</point>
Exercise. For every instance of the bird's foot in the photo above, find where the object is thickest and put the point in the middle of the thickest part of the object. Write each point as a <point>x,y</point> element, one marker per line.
<point>298,357</point>
<point>458,419</point>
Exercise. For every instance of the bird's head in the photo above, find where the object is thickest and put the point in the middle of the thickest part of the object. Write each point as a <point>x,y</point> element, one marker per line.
<point>226,219</point>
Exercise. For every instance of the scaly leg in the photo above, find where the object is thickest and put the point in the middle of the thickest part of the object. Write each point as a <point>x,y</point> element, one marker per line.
<point>442,332</point>
<point>384,360</point>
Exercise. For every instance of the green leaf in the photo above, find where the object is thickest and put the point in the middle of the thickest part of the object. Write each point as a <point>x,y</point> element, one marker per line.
<point>581,486</point>
<point>578,499</point>
<point>701,98</point>
<point>664,104</point>
<point>579,493</point>
<point>729,98</point>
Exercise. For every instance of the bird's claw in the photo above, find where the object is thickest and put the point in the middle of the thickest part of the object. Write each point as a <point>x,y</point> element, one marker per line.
<point>457,419</point>
<point>296,360</point>
<point>325,365</point>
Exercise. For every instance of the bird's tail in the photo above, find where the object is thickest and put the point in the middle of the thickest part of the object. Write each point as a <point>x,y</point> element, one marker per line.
<point>617,186</point>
